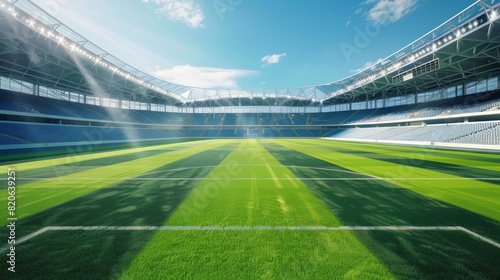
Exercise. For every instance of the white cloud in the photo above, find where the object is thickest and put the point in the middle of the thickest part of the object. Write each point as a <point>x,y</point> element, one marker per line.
<point>367,65</point>
<point>388,11</point>
<point>203,77</point>
<point>186,11</point>
<point>272,59</point>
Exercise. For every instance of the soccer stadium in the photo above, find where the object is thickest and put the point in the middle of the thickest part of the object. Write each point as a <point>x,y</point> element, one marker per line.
<point>111,172</point>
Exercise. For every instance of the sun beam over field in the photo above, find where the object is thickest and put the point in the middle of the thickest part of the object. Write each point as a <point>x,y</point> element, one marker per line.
<point>223,139</point>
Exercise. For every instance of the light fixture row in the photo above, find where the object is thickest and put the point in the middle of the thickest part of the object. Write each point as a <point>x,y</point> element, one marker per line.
<point>425,50</point>
<point>61,39</point>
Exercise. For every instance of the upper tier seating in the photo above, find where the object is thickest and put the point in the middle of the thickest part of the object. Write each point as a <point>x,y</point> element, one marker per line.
<point>482,133</point>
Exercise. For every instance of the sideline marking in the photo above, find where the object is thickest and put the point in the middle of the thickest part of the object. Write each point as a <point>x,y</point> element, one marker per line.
<point>256,228</point>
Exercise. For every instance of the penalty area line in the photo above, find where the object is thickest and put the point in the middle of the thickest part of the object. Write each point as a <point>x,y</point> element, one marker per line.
<point>255,228</point>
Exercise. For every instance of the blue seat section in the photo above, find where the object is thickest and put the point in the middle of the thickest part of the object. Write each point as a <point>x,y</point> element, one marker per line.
<point>210,133</point>
<point>11,101</point>
<point>246,119</point>
<point>31,133</point>
<point>303,133</point>
<point>39,105</point>
<point>337,117</point>
<point>227,133</point>
<point>6,139</point>
<point>480,133</point>
<point>155,125</point>
<point>230,119</point>
<point>195,132</point>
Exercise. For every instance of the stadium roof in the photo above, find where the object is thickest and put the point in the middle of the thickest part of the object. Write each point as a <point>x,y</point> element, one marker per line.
<point>38,48</point>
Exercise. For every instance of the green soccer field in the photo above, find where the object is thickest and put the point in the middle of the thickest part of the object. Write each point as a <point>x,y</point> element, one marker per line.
<point>256,209</point>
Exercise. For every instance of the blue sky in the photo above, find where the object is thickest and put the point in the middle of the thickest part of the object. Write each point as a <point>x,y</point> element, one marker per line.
<point>252,44</point>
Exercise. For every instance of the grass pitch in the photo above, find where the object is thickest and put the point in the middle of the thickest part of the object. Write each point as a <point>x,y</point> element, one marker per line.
<point>247,209</point>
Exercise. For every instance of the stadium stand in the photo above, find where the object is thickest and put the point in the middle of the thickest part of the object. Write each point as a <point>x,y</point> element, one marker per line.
<point>419,93</point>
<point>453,106</point>
<point>28,119</point>
<point>481,133</point>
<point>31,133</point>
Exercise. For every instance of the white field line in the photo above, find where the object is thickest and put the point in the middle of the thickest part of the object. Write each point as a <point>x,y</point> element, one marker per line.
<point>271,179</point>
<point>31,235</point>
<point>255,228</point>
<point>496,244</point>
<point>256,165</point>
<point>367,177</point>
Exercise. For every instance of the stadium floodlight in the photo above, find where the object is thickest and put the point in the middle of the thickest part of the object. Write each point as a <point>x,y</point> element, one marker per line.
<point>12,11</point>
<point>493,15</point>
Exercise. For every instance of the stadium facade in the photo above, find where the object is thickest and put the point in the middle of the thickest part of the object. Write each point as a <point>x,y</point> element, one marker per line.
<point>57,89</point>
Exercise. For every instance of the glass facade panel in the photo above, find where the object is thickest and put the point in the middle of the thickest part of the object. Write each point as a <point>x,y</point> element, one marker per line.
<point>450,92</point>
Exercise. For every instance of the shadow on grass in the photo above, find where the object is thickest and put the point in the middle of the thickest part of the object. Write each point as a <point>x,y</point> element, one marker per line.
<point>105,254</point>
<point>72,166</point>
<point>412,254</point>
<point>485,156</point>
<point>14,156</point>
<point>452,169</point>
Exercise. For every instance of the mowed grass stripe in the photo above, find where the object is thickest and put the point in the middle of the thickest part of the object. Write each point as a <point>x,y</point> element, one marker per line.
<point>483,160</point>
<point>378,202</point>
<point>38,196</point>
<point>413,167</point>
<point>476,196</point>
<point>417,158</point>
<point>273,202</point>
<point>254,254</point>
<point>33,175</point>
<point>78,156</point>
<point>104,254</point>
<point>130,202</point>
